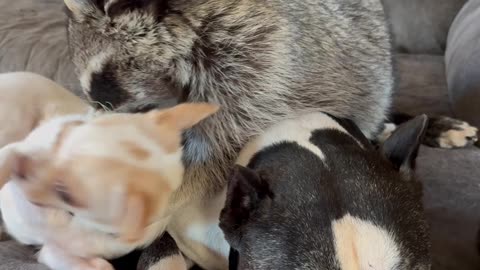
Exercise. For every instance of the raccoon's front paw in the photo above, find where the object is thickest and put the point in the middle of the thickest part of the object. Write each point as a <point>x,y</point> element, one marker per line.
<point>446,132</point>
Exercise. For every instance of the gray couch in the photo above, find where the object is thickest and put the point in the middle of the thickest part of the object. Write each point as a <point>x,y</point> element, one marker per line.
<point>32,37</point>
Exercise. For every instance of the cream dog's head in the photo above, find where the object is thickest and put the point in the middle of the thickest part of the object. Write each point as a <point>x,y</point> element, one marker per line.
<point>115,171</point>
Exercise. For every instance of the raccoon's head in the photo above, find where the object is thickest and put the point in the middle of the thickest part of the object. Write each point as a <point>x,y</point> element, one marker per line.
<point>122,49</point>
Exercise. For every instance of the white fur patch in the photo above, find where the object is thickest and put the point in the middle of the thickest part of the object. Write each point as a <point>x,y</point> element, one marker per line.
<point>360,245</point>
<point>210,235</point>
<point>108,4</point>
<point>197,234</point>
<point>95,65</point>
<point>388,129</point>
<point>297,130</point>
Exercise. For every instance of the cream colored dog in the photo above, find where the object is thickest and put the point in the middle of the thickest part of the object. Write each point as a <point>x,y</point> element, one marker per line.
<point>27,100</point>
<point>93,188</point>
<point>87,187</point>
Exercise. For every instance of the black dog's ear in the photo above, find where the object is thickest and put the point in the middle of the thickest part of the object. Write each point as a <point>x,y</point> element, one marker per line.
<point>401,148</point>
<point>246,191</point>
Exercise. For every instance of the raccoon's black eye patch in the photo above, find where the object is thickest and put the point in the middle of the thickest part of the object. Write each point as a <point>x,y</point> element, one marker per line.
<point>105,88</point>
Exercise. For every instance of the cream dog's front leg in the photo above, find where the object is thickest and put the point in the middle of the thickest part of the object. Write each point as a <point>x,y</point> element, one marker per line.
<point>57,259</point>
<point>197,234</point>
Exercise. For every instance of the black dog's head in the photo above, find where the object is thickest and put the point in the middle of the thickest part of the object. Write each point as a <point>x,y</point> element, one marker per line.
<point>358,208</point>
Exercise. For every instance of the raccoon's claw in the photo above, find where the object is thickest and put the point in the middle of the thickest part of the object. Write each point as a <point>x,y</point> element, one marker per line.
<point>445,132</point>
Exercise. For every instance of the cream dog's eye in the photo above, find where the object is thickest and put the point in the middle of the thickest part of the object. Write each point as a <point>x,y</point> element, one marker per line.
<point>62,192</point>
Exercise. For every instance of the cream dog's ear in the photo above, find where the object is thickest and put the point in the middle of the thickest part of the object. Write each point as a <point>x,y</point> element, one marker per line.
<point>183,116</point>
<point>135,219</point>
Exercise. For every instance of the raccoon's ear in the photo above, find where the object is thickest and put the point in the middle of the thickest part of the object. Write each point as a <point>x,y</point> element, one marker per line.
<point>246,192</point>
<point>401,148</point>
<point>80,8</point>
<point>114,8</point>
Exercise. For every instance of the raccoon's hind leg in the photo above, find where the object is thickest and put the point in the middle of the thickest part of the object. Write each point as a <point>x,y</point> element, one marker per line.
<point>442,131</point>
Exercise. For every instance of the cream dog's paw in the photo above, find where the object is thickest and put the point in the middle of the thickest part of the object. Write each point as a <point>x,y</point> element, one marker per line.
<point>99,264</point>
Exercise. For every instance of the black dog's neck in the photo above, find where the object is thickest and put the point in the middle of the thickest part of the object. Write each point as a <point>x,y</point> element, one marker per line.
<point>233,258</point>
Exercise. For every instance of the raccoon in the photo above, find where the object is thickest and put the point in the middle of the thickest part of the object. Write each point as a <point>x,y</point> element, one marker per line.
<point>261,60</point>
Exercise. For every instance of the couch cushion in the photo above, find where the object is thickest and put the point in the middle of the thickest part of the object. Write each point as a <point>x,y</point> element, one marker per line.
<point>463,63</point>
<point>33,38</point>
<point>421,26</point>
<point>16,257</point>
<point>421,85</point>
<point>452,200</point>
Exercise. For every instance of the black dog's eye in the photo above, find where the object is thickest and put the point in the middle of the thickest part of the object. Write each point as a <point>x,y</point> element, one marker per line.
<point>62,192</point>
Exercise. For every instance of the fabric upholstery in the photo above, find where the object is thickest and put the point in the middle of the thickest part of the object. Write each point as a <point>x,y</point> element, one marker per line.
<point>421,85</point>
<point>463,63</point>
<point>421,26</point>
<point>32,37</point>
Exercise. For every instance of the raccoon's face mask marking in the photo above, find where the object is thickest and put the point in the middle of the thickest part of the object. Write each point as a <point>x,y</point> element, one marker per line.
<point>120,52</point>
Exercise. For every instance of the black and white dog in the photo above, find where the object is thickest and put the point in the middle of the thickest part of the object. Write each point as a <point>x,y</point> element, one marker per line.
<point>314,193</point>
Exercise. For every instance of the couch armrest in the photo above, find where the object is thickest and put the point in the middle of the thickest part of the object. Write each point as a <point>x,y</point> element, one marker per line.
<point>421,26</point>
<point>463,63</point>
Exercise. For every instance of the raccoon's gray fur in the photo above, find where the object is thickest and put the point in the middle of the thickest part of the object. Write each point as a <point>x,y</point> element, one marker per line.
<point>261,60</point>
